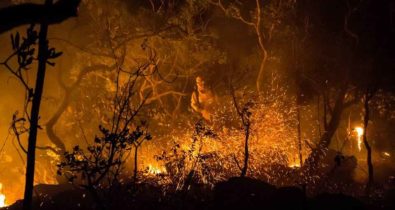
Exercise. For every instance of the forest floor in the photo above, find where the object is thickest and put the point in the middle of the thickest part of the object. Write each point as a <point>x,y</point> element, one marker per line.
<point>235,193</point>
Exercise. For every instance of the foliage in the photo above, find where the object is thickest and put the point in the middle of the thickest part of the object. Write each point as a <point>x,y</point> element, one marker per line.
<point>102,162</point>
<point>271,118</point>
<point>98,169</point>
<point>192,165</point>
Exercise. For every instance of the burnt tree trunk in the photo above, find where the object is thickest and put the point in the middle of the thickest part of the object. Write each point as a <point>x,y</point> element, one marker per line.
<point>299,137</point>
<point>244,115</point>
<point>330,128</point>
<point>246,152</point>
<point>135,164</point>
<point>370,182</point>
<point>34,114</point>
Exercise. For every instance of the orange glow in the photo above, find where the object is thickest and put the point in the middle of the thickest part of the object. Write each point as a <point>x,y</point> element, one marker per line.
<point>155,170</point>
<point>294,165</point>
<point>2,197</point>
<point>359,131</point>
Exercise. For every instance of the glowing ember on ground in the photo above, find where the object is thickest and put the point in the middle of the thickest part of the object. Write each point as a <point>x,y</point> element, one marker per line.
<point>359,131</point>
<point>2,197</point>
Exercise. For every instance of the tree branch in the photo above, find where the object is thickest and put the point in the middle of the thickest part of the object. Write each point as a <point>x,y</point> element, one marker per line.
<point>14,16</point>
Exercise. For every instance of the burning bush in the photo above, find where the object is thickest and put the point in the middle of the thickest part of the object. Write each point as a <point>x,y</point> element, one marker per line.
<point>187,164</point>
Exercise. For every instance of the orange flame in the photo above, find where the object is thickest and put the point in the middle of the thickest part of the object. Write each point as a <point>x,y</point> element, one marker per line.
<point>360,132</point>
<point>2,197</point>
<point>155,170</point>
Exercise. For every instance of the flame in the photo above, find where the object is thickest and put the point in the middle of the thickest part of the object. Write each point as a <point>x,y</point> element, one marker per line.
<point>155,170</point>
<point>2,197</point>
<point>387,154</point>
<point>359,131</point>
<point>294,165</point>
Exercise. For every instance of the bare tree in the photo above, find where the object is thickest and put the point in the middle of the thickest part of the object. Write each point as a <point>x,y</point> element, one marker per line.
<point>102,162</point>
<point>369,94</point>
<point>263,30</point>
<point>25,51</point>
<point>245,116</point>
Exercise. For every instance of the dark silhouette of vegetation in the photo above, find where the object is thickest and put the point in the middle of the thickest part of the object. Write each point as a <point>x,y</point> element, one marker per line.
<point>370,92</point>
<point>43,56</point>
<point>338,83</point>
<point>256,19</point>
<point>186,168</point>
<point>245,116</point>
<point>24,50</point>
<point>28,13</point>
<point>201,131</point>
<point>98,168</point>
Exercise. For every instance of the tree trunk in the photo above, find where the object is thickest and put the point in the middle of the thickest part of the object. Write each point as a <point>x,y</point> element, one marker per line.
<point>49,126</point>
<point>246,152</point>
<point>299,137</point>
<point>135,164</point>
<point>366,143</point>
<point>32,140</point>
<point>318,153</point>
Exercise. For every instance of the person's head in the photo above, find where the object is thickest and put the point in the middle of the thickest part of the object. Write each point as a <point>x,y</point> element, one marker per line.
<point>200,84</point>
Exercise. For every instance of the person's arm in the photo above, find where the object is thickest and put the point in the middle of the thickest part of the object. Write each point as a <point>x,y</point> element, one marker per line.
<point>29,13</point>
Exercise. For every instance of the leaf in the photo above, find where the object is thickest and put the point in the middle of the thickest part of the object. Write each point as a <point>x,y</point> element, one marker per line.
<point>31,51</point>
<point>148,137</point>
<point>55,55</point>
<point>29,61</point>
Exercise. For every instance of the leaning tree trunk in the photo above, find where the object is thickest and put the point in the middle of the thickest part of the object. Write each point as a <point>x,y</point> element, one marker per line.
<point>318,153</point>
<point>259,78</point>
<point>34,115</point>
<point>366,143</point>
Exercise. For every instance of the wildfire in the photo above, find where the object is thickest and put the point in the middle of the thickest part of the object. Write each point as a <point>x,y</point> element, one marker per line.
<point>155,170</point>
<point>359,132</point>
<point>2,197</point>
<point>386,154</point>
<point>294,165</point>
